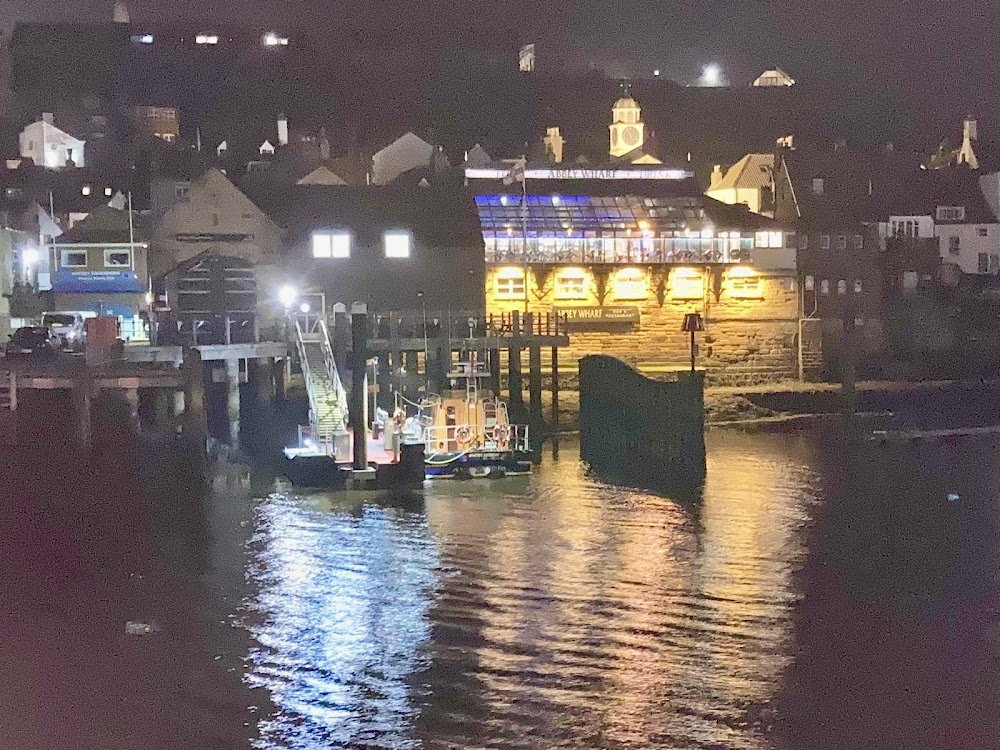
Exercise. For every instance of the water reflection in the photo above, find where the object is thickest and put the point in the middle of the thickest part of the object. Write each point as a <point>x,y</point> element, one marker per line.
<point>555,611</point>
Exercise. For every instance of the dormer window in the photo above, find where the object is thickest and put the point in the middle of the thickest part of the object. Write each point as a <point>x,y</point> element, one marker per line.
<point>951,213</point>
<point>397,244</point>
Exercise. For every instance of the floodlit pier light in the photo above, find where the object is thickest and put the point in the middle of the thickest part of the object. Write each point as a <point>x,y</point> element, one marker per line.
<point>30,257</point>
<point>287,295</point>
<point>304,308</point>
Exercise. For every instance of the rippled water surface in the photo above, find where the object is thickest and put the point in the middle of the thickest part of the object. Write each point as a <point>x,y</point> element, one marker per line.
<point>561,611</point>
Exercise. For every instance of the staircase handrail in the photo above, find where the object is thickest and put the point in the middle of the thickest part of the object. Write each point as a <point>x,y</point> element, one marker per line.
<point>331,368</point>
<point>300,347</point>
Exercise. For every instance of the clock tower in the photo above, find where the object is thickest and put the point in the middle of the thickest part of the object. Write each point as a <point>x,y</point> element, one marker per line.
<point>627,128</point>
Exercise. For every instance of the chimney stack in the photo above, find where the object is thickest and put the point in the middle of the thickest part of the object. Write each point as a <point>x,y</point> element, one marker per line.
<point>716,175</point>
<point>282,130</point>
<point>553,145</point>
<point>47,118</point>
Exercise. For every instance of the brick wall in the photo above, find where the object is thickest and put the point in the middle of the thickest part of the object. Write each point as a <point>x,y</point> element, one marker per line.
<point>746,339</point>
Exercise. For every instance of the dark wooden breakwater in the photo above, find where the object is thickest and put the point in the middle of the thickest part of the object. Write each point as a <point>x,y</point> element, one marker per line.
<point>641,430</point>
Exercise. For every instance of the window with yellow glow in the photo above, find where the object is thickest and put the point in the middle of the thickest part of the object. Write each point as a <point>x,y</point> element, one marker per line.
<point>769,239</point>
<point>509,284</point>
<point>686,285</point>
<point>571,284</point>
<point>746,287</point>
<point>630,283</point>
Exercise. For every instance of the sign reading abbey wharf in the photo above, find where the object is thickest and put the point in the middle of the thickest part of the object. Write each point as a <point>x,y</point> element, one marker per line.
<point>598,317</point>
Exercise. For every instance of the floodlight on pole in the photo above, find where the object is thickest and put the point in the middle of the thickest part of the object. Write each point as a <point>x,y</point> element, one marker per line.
<point>287,295</point>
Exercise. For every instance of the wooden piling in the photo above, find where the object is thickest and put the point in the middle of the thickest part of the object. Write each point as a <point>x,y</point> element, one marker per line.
<point>535,386</point>
<point>359,358</point>
<point>555,388</point>
<point>233,400</point>
<point>515,380</point>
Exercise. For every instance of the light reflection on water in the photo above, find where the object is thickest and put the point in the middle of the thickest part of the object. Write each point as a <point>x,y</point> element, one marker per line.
<point>555,611</point>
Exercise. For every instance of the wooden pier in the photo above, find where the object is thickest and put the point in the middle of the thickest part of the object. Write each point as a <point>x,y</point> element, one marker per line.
<point>415,350</point>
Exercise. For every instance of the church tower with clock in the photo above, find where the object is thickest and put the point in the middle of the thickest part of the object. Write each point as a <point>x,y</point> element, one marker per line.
<point>627,129</point>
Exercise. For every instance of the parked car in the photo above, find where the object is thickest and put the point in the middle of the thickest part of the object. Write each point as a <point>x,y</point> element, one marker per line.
<point>32,341</point>
<point>68,327</point>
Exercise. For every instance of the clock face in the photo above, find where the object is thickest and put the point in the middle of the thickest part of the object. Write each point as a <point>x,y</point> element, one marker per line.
<point>630,136</point>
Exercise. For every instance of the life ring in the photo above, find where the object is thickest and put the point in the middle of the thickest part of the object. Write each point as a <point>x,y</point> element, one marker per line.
<point>501,435</point>
<point>463,434</point>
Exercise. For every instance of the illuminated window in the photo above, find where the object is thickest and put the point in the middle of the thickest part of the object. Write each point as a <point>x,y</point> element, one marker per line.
<point>824,286</point>
<point>107,192</point>
<point>824,242</point>
<point>397,244</point>
<point>769,239</point>
<point>331,245</point>
<point>73,259</point>
<point>509,284</point>
<point>143,38</point>
<point>630,283</point>
<point>273,40</point>
<point>744,284</point>
<point>571,284</point>
<point>857,286</point>
<point>206,39</point>
<point>810,283</point>
<point>686,283</point>
<point>842,287</point>
<point>85,190</point>
<point>117,258</point>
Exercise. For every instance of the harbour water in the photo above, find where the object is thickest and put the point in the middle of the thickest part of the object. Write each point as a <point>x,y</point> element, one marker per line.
<point>817,593</point>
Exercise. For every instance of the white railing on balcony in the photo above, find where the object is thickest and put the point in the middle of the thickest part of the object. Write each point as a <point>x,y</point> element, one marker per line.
<point>638,249</point>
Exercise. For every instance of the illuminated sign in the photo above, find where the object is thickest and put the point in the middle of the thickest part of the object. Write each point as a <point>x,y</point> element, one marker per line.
<point>67,280</point>
<point>598,317</point>
<point>552,173</point>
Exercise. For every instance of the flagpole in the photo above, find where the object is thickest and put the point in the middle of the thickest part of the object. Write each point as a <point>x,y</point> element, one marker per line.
<point>524,227</point>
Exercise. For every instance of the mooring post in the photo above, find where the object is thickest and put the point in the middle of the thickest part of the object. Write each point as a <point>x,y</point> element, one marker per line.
<point>555,388</point>
<point>359,358</point>
<point>514,378</point>
<point>535,385</point>
<point>195,425</point>
<point>83,392</point>
<point>233,400</point>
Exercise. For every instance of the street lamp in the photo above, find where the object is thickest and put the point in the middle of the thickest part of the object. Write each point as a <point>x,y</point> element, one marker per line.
<point>693,322</point>
<point>287,295</point>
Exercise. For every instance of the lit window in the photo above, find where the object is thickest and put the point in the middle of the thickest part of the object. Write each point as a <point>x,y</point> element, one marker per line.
<point>810,283</point>
<point>73,259</point>
<point>857,286</point>
<point>117,258</point>
<point>982,231</point>
<point>744,285</point>
<point>842,287</point>
<point>107,192</point>
<point>859,242</point>
<point>824,286</point>
<point>686,283</point>
<point>572,284</point>
<point>954,245</point>
<point>273,40</point>
<point>630,283</point>
<point>769,239</point>
<point>206,39</point>
<point>397,244</point>
<point>85,190</point>
<point>143,38</point>
<point>331,245</point>
<point>824,242</point>
<point>509,284</point>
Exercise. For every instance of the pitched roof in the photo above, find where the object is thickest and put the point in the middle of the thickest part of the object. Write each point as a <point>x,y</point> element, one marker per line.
<point>752,172</point>
<point>103,224</point>
<point>322,175</point>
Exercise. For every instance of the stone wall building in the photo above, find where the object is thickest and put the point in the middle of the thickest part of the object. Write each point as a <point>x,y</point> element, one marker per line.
<point>624,254</point>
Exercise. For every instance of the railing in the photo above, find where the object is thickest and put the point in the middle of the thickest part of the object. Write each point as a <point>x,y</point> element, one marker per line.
<point>300,347</point>
<point>463,438</point>
<point>409,324</point>
<point>331,367</point>
<point>619,250</point>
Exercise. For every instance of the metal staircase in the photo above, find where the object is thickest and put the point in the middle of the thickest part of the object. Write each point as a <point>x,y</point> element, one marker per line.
<point>327,397</point>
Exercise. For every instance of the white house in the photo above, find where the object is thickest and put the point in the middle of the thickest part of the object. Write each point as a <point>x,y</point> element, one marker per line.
<point>774,77</point>
<point>48,146</point>
<point>408,152</point>
<point>749,181</point>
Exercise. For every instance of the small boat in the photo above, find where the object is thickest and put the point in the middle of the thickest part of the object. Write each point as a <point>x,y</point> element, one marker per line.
<point>466,431</point>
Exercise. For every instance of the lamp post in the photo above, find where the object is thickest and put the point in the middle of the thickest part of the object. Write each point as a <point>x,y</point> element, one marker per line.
<point>693,322</point>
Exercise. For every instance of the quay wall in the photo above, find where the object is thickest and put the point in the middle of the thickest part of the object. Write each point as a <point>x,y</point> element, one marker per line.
<point>750,337</point>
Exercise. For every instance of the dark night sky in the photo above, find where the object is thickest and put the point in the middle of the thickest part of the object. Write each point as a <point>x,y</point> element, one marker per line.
<point>930,49</point>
